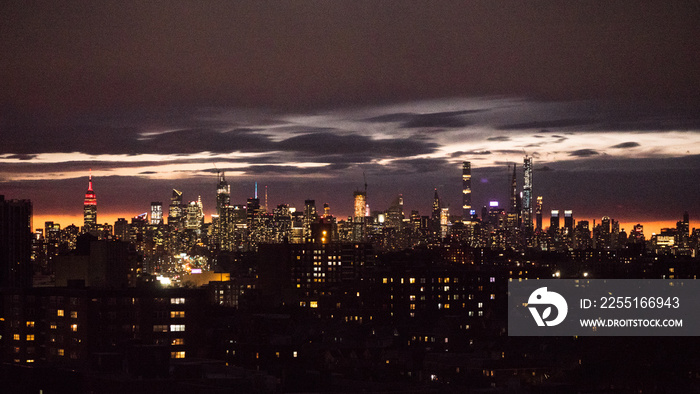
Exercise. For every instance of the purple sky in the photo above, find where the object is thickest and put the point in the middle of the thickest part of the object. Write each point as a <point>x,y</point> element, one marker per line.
<point>306,96</point>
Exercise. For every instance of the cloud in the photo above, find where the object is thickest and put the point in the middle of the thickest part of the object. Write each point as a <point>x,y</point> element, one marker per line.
<point>447,119</point>
<point>626,145</point>
<point>546,124</point>
<point>583,153</point>
<point>499,138</point>
<point>470,153</point>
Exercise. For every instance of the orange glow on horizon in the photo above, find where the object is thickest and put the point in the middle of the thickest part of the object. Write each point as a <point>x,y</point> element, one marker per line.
<point>650,227</point>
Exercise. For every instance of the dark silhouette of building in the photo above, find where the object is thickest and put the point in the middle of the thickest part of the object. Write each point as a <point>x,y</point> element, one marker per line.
<point>15,243</point>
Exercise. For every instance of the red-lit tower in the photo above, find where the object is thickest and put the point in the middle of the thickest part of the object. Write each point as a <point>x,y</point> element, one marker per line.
<point>90,206</point>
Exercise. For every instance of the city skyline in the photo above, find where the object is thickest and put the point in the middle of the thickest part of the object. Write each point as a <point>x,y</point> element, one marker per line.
<point>305,98</point>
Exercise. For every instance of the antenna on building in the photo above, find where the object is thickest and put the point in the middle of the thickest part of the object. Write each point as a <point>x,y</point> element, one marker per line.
<point>256,190</point>
<point>266,208</point>
<point>365,178</point>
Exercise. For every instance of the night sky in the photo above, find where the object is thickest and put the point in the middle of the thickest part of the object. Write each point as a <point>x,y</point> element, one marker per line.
<point>306,96</point>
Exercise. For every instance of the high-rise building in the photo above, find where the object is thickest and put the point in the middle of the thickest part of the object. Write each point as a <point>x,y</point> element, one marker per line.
<point>175,212</point>
<point>90,207</point>
<point>513,192</point>
<point>436,214</point>
<point>360,198</point>
<point>569,221</point>
<point>156,213</point>
<point>466,192</point>
<point>527,195</point>
<point>683,231</point>
<point>310,216</point>
<point>223,194</point>
<point>395,214</point>
<point>15,243</point>
<point>538,212</point>
<point>554,220</point>
<point>195,215</point>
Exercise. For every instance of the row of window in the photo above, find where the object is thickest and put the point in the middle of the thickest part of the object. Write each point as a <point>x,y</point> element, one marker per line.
<point>164,328</point>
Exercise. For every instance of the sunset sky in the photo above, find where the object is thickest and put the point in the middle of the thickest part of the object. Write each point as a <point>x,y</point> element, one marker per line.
<point>306,96</point>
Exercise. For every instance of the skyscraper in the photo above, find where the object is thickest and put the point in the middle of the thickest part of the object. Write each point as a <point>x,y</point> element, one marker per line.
<point>466,192</point>
<point>310,216</point>
<point>90,207</point>
<point>156,213</point>
<point>527,195</point>
<point>569,221</point>
<point>538,212</point>
<point>223,194</point>
<point>195,215</point>
<point>360,208</point>
<point>175,211</point>
<point>513,192</point>
<point>554,221</point>
<point>360,199</point>
<point>15,243</point>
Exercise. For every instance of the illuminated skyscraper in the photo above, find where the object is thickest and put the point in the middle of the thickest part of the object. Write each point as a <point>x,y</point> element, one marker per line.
<point>156,213</point>
<point>513,192</point>
<point>554,221</point>
<point>360,208</point>
<point>195,215</point>
<point>569,221</point>
<point>466,192</point>
<point>527,195</point>
<point>538,212</point>
<point>310,216</point>
<point>90,207</point>
<point>360,198</point>
<point>175,212</point>
<point>223,194</point>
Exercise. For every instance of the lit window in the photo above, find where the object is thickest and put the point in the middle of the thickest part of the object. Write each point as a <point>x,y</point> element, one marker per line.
<point>412,280</point>
<point>59,312</point>
<point>295,354</point>
<point>177,327</point>
<point>53,326</point>
<point>74,327</point>
<point>30,361</point>
<point>178,341</point>
<point>180,354</point>
<point>30,324</point>
<point>30,337</point>
<point>177,314</point>
<point>73,314</point>
<point>177,300</point>
<point>160,328</point>
<point>16,337</point>
<point>313,304</point>
<point>61,352</point>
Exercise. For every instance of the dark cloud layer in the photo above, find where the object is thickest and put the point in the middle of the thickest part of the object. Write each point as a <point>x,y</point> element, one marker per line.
<point>625,145</point>
<point>583,153</point>
<point>63,58</point>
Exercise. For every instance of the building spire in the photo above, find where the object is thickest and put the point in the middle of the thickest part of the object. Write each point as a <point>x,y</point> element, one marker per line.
<point>90,181</point>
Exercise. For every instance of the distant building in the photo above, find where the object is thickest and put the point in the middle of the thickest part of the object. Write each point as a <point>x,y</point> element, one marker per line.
<point>156,213</point>
<point>527,196</point>
<point>175,211</point>
<point>466,192</point>
<point>90,207</point>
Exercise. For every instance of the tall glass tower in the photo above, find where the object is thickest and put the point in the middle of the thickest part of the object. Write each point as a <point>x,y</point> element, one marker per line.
<point>223,194</point>
<point>527,195</point>
<point>466,192</point>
